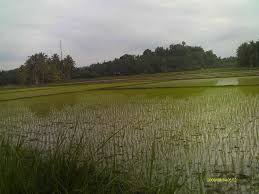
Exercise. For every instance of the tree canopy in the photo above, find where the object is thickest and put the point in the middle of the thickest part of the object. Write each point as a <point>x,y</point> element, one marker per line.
<point>248,54</point>
<point>41,69</point>
<point>175,58</point>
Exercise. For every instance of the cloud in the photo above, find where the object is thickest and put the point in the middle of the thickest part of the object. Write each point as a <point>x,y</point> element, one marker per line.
<point>93,31</point>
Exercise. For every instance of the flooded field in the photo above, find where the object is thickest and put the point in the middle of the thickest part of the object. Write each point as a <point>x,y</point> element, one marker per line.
<point>152,135</point>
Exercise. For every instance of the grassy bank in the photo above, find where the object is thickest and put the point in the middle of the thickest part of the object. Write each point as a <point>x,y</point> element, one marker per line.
<point>25,169</point>
<point>66,169</point>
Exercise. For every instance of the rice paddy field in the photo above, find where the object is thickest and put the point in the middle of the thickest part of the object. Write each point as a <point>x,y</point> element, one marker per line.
<point>194,133</point>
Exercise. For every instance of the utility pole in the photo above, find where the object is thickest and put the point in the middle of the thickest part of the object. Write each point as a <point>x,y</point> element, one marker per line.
<point>60,45</point>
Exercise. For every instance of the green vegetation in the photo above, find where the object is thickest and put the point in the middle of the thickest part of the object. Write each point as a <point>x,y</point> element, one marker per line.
<point>24,169</point>
<point>13,94</point>
<point>248,54</point>
<point>177,57</point>
<point>158,134</point>
<point>40,69</point>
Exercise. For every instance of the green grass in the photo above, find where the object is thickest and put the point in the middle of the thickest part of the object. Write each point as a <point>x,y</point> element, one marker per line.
<point>249,81</point>
<point>25,169</point>
<point>48,91</point>
<point>189,83</point>
<point>177,83</point>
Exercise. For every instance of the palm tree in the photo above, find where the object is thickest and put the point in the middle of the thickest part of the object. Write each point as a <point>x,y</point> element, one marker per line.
<point>68,66</point>
<point>37,65</point>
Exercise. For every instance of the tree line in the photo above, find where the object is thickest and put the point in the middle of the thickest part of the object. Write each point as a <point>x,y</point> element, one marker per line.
<point>41,69</point>
<point>176,57</point>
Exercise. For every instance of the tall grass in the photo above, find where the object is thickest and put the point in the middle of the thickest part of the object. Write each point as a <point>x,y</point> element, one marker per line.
<point>66,167</point>
<point>63,169</point>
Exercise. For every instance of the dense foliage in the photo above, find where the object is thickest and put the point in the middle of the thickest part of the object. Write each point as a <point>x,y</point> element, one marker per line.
<point>175,58</point>
<point>8,77</point>
<point>40,69</point>
<point>248,54</point>
<point>228,62</point>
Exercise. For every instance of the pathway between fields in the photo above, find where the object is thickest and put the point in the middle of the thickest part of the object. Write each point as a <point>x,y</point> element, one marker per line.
<point>228,82</point>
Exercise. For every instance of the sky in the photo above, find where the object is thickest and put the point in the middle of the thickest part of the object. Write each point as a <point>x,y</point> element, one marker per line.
<point>101,30</point>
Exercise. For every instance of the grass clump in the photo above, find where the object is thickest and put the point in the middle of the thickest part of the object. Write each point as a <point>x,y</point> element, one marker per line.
<point>25,169</point>
<point>67,168</point>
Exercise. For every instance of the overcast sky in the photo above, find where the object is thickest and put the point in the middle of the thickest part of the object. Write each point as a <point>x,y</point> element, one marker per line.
<point>98,30</point>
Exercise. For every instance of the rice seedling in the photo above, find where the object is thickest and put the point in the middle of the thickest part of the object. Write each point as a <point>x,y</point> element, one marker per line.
<point>117,143</point>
